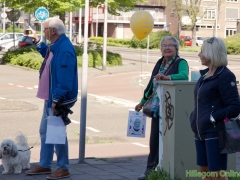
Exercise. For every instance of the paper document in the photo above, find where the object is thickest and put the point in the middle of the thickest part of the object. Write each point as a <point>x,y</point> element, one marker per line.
<point>136,124</point>
<point>56,131</point>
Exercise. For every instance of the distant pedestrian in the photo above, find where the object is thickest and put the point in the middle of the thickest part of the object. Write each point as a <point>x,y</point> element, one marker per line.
<point>169,67</point>
<point>58,86</point>
<point>216,98</point>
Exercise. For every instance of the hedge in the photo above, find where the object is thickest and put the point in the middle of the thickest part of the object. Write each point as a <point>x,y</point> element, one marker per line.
<point>29,57</point>
<point>233,44</point>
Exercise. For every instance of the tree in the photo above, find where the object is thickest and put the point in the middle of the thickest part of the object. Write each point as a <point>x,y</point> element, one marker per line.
<point>58,7</point>
<point>178,9</point>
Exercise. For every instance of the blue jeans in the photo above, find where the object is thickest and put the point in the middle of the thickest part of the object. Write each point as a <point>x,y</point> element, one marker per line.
<point>47,150</point>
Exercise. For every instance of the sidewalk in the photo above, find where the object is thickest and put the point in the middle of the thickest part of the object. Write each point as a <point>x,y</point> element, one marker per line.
<point>122,163</point>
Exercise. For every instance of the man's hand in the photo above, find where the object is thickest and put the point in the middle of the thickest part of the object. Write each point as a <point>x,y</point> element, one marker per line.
<point>33,35</point>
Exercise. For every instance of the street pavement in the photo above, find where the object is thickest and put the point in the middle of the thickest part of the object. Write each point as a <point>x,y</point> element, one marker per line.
<point>108,161</point>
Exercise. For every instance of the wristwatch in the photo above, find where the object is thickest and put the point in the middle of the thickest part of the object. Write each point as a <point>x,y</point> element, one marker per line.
<point>170,78</point>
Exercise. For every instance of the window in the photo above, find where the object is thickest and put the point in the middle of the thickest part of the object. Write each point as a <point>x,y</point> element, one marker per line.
<point>206,26</point>
<point>209,14</point>
<point>230,31</point>
<point>231,14</point>
<point>231,0</point>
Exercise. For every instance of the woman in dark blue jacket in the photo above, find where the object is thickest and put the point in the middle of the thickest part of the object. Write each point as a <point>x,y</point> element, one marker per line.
<point>216,98</point>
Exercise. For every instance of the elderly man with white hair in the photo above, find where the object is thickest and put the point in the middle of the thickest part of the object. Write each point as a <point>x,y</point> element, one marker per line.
<point>58,86</point>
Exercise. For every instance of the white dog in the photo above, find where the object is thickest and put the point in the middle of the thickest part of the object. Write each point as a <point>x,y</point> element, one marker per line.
<point>15,156</point>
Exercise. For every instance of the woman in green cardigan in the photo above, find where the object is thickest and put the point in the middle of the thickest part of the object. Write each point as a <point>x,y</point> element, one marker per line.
<point>169,67</point>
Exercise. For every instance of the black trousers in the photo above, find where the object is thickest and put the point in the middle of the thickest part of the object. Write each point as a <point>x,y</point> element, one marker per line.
<point>153,145</point>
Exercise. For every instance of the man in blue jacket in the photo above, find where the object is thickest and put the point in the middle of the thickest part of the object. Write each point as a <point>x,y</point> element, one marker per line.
<point>58,87</point>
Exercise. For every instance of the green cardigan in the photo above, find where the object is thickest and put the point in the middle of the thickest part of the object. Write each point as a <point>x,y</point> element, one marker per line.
<point>182,75</point>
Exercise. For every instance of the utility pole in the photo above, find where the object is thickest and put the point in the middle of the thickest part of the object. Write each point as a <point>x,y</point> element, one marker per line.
<point>216,20</point>
<point>105,36</point>
<point>83,110</point>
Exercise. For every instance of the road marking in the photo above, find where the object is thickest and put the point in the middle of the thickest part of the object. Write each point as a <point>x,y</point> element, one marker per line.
<point>2,98</point>
<point>138,144</point>
<point>10,84</point>
<point>118,101</point>
<point>75,122</point>
<point>30,88</point>
<point>92,129</point>
<point>20,86</point>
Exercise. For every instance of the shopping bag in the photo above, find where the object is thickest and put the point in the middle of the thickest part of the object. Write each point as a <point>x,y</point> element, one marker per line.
<point>136,124</point>
<point>229,136</point>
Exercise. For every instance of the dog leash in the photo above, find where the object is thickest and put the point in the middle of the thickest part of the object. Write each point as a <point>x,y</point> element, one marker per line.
<point>30,147</point>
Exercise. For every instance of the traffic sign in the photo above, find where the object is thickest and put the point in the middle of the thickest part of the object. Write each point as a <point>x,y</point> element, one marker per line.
<point>41,14</point>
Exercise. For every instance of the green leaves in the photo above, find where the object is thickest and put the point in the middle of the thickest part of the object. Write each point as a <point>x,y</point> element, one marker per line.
<point>57,7</point>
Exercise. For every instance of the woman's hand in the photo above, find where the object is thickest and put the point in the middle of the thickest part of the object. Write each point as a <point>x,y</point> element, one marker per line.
<point>138,107</point>
<point>161,76</point>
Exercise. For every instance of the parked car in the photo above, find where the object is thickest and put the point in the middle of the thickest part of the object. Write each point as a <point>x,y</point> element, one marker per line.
<point>10,36</point>
<point>187,40</point>
<point>199,40</point>
<point>9,45</point>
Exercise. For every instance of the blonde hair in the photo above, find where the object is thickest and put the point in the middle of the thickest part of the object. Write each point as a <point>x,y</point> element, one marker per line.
<point>215,50</point>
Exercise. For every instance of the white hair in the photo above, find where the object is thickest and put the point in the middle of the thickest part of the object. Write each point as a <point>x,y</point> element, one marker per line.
<point>57,24</point>
<point>172,38</point>
<point>215,50</point>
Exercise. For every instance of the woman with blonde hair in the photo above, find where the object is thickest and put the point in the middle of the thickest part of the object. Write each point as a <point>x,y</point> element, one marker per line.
<point>216,98</point>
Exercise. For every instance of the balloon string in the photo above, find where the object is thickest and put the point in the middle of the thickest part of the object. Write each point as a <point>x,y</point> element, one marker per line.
<point>141,68</point>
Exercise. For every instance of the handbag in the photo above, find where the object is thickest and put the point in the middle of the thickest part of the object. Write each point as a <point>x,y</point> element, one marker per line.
<point>148,104</point>
<point>229,136</point>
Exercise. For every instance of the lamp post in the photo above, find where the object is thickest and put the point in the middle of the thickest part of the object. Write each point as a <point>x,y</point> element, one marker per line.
<point>97,22</point>
<point>4,17</point>
<point>70,26</point>
<point>105,36</point>
<point>80,26</point>
<point>216,22</point>
<point>83,111</point>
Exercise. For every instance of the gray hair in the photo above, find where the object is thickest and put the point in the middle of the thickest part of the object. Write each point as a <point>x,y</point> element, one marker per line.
<point>57,24</point>
<point>214,49</point>
<point>175,41</point>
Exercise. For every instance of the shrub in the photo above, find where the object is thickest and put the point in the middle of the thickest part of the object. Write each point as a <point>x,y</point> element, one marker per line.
<point>154,40</point>
<point>95,59</point>
<point>112,41</point>
<point>31,60</point>
<point>160,174</point>
<point>233,44</point>
<point>29,57</point>
<point>12,54</point>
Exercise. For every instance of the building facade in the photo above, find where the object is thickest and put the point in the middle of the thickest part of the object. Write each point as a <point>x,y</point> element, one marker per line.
<point>223,12</point>
<point>164,16</point>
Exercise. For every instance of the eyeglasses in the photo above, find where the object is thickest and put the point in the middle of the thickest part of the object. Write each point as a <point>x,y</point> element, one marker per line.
<point>46,28</point>
<point>168,45</point>
<point>210,40</point>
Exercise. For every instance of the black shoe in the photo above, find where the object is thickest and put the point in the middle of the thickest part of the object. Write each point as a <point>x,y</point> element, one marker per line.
<point>142,177</point>
<point>145,175</point>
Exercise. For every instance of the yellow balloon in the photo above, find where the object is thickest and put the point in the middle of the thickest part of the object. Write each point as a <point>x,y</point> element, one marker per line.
<point>141,24</point>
